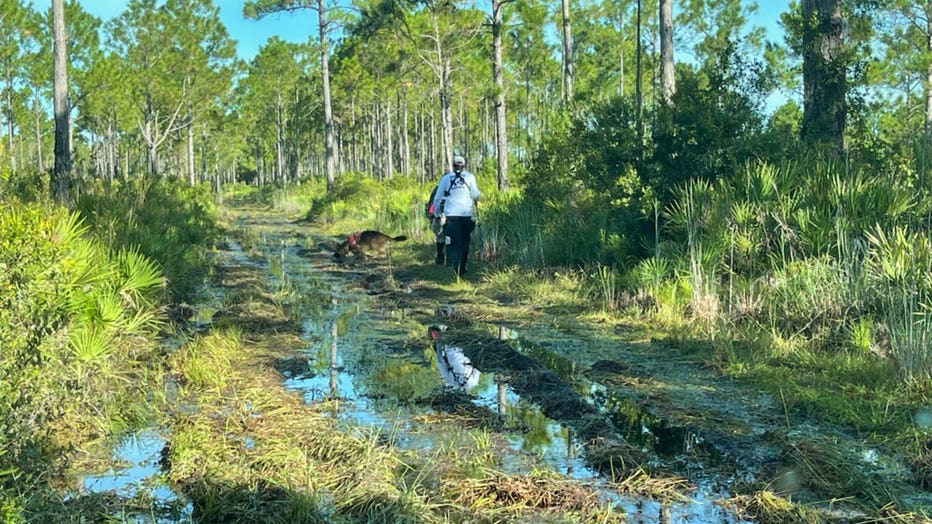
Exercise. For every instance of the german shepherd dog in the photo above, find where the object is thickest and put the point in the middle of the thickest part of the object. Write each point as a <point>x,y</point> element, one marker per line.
<point>362,243</point>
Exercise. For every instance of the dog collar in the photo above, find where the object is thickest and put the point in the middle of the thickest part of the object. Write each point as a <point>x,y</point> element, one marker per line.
<point>353,238</point>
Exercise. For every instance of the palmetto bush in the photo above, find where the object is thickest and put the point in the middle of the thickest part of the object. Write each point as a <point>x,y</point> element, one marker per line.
<point>165,220</point>
<point>76,325</point>
<point>798,251</point>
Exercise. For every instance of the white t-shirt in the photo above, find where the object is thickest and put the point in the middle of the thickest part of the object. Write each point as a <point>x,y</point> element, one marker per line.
<point>459,191</point>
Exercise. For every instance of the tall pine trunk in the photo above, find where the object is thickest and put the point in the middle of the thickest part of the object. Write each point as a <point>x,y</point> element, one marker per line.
<point>328,107</point>
<point>567,54</point>
<point>667,78</point>
<point>279,142</point>
<point>189,132</point>
<point>9,119</point>
<point>928,86</point>
<point>61,175</point>
<point>824,73</point>
<point>501,120</point>
<point>38,111</point>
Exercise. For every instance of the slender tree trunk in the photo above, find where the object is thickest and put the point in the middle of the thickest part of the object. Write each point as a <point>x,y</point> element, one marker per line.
<point>501,120</point>
<point>389,142</point>
<point>374,158</point>
<point>111,152</point>
<point>824,75</point>
<point>38,110</point>
<point>567,54</point>
<point>405,139</point>
<point>9,119</point>
<point>445,96</point>
<point>61,176</point>
<point>446,115</point>
<point>928,86</point>
<point>667,78</point>
<point>279,143</point>
<point>638,96</point>
<point>527,120</point>
<point>328,107</point>
<point>432,147</point>
<point>189,132</point>
<point>621,57</point>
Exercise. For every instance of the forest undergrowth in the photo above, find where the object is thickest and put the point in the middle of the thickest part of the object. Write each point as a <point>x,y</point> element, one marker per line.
<point>813,297</point>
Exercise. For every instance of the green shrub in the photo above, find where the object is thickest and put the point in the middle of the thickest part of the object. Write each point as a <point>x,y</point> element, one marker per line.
<point>165,220</point>
<point>394,206</point>
<point>77,325</point>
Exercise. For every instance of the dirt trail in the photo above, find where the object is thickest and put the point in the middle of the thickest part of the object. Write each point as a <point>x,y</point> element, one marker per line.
<point>626,397</point>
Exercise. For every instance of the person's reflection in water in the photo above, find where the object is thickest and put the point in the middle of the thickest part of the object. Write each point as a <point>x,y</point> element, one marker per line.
<point>455,367</point>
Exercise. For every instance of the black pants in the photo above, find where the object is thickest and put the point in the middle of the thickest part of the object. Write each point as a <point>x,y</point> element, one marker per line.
<point>459,230</point>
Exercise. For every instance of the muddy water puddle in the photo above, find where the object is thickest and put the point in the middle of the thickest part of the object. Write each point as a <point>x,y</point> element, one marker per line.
<point>365,360</point>
<point>369,362</point>
<point>135,478</point>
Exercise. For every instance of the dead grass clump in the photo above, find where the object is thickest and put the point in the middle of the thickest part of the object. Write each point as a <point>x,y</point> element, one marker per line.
<point>665,489</point>
<point>257,316</point>
<point>766,507</point>
<point>539,490</point>
<point>837,473</point>
<point>615,459</point>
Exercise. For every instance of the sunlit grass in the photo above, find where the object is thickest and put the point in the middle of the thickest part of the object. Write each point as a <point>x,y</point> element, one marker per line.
<point>250,447</point>
<point>767,507</point>
<point>768,282</point>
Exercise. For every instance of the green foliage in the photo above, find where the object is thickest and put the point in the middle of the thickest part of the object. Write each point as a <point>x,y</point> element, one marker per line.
<point>899,266</point>
<point>356,202</point>
<point>164,220</point>
<point>804,253</point>
<point>11,509</point>
<point>712,128</point>
<point>24,184</point>
<point>77,322</point>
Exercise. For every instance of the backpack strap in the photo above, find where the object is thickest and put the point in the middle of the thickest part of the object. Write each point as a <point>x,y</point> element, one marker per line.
<point>453,181</point>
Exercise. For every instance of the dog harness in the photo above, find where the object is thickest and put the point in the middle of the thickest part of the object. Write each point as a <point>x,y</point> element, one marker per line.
<point>353,239</point>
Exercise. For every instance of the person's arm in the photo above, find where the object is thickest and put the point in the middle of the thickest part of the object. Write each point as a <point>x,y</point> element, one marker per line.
<point>474,189</point>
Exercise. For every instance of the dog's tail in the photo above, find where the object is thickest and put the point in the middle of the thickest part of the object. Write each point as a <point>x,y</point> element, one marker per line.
<point>399,238</point>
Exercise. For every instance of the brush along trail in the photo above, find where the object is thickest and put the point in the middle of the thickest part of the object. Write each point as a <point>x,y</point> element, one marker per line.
<point>652,418</point>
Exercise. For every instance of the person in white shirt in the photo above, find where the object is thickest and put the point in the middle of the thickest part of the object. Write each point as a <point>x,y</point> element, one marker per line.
<point>456,194</point>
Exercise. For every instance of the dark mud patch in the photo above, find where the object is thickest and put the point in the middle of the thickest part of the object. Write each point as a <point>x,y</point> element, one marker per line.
<point>459,403</point>
<point>557,399</point>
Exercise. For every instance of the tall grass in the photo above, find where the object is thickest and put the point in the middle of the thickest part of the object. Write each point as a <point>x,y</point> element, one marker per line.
<point>900,264</point>
<point>697,213</point>
<point>608,287</point>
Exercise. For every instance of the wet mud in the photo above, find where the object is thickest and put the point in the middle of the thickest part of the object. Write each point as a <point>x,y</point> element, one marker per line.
<point>601,405</point>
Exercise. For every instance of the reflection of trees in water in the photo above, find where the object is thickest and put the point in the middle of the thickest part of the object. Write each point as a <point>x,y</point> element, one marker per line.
<point>334,335</point>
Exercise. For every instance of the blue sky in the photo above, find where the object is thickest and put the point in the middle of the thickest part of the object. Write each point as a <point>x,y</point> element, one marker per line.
<point>296,27</point>
<point>249,34</point>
